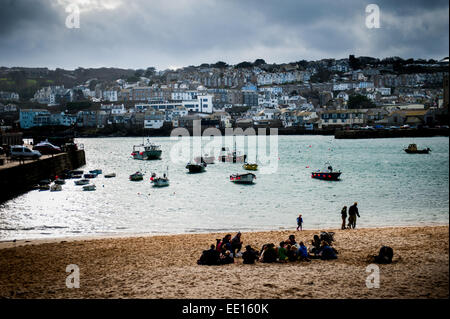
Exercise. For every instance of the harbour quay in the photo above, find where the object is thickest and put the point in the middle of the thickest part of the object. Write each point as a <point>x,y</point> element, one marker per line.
<point>21,176</point>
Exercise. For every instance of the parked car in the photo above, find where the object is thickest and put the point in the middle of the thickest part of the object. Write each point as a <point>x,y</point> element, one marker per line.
<point>46,148</point>
<point>22,152</point>
<point>2,151</point>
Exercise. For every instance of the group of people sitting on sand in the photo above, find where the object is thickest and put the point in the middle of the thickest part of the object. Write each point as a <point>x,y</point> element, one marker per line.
<point>227,249</point>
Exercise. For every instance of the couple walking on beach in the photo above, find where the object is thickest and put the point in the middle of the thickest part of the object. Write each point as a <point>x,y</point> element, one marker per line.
<point>352,214</point>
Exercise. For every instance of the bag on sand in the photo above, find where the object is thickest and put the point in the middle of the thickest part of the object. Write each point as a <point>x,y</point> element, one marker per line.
<point>385,255</point>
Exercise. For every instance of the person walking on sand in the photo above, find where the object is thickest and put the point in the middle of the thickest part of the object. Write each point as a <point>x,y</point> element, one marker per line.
<point>299,222</point>
<point>352,213</point>
<point>343,216</point>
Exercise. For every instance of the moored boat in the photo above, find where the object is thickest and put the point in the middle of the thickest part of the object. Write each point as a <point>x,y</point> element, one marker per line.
<point>250,167</point>
<point>326,174</point>
<point>83,181</point>
<point>89,187</point>
<point>90,175</point>
<point>412,149</point>
<point>246,178</point>
<point>110,175</point>
<point>138,176</point>
<point>96,171</point>
<point>231,157</point>
<point>56,188</point>
<point>160,181</point>
<point>60,181</point>
<point>148,151</point>
<point>196,168</point>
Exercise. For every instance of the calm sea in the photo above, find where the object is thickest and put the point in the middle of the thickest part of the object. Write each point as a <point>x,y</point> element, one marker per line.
<point>390,186</point>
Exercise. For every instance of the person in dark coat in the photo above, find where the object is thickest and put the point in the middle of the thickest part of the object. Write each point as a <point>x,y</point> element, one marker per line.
<point>343,216</point>
<point>352,213</point>
<point>210,257</point>
<point>236,244</point>
<point>250,255</point>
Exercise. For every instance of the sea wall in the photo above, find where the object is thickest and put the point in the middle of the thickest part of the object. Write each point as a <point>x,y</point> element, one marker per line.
<point>21,178</point>
<point>390,133</point>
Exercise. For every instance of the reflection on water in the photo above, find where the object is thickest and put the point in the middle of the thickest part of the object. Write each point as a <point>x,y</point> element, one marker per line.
<point>390,186</point>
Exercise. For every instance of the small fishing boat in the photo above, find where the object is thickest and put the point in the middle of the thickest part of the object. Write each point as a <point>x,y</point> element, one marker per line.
<point>205,159</point>
<point>89,187</point>
<point>110,175</point>
<point>96,171</point>
<point>77,176</point>
<point>56,188</point>
<point>60,181</point>
<point>412,149</point>
<point>138,176</point>
<point>246,178</point>
<point>44,182</point>
<point>76,172</point>
<point>90,175</point>
<point>160,181</point>
<point>196,168</point>
<point>250,167</point>
<point>231,157</point>
<point>83,181</point>
<point>44,187</point>
<point>148,151</point>
<point>326,174</point>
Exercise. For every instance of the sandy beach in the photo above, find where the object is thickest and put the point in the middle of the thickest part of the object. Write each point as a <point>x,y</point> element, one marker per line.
<point>165,267</point>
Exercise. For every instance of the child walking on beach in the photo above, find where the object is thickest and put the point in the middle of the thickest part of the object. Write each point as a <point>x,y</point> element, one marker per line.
<point>299,222</point>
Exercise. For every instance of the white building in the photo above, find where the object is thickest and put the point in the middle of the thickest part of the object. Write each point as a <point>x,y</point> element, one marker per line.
<point>203,104</point>
<point>110,96</point>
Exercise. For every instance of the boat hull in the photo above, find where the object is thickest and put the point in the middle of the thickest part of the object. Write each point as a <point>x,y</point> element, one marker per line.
<point>160,183</point>
<point>417,151</point>
<point>243,178</point>
<point>250,167</point>
<point>333,176</point>
<point>196,168</point>
<point>147,156</point>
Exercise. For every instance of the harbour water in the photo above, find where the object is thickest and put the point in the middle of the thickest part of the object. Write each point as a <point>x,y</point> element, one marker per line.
<point>392,188</point>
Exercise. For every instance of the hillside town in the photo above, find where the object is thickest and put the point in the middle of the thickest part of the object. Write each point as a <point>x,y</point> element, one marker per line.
<point>350,93</point>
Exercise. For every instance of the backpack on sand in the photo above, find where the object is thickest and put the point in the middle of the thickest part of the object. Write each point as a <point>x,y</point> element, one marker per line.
<point>385,255</point>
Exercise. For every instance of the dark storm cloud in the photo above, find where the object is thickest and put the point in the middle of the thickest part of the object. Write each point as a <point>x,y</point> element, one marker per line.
<point>177,33</point>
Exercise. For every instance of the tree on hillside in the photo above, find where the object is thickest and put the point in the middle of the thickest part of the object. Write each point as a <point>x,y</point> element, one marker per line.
<point>243,65</point>
<point>259,62</point>
<point>359,101</point>
<point>220,65</point>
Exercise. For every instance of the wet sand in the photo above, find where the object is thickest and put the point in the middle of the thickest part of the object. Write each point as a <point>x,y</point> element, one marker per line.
<point>165,267</point>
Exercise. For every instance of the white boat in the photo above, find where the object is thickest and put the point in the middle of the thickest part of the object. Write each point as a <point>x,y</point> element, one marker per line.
<point>83,181</point>
<point>246,178</point>
<point>231,157</point>
<point>205,159</point>
<point>89,187</point>
<point>160,181</point>
<point>56,188</point>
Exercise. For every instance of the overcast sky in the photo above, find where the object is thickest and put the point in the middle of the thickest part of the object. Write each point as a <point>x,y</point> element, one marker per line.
<point>176,33</point>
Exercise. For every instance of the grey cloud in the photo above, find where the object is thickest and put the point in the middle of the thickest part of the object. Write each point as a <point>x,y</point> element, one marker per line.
<point>176,33</point>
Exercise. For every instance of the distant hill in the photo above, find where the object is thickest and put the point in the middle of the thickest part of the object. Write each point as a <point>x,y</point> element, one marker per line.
<point>26,81</point>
